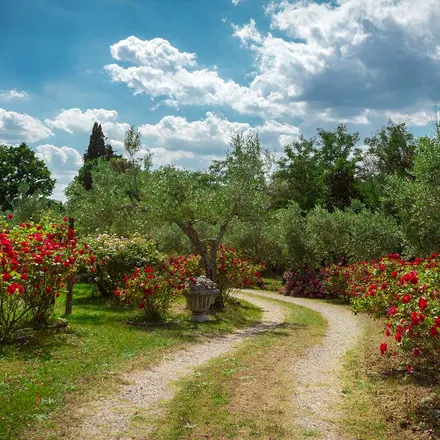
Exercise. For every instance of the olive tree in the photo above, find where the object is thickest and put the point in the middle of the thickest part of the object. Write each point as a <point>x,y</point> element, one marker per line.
<point>204,204</point>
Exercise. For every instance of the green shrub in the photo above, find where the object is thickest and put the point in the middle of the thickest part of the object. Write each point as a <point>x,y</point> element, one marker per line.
<point>119,256</point>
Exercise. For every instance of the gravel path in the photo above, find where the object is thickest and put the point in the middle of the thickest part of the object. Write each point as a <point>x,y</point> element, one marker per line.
<point>317,375</point>
<point>108,419</point>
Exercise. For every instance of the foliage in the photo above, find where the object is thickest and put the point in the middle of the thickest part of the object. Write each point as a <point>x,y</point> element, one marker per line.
<point>318,171</point>
<point>50,372</point>
<point>235,271</point>
<point>416,201</point>
<point>343,236</point>
<point>36,262</point>
<point>22,173</point>
<point>302,281</point>
<point>96,149</point>
<point>405,294</point>
<point>107,208</point>
<point>153,289</point>
<point>118,256</point>
<point>391,150</point>
<point>203,204</point>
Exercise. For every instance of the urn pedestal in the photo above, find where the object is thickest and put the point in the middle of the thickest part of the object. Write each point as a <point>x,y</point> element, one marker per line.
<point>200,296</point>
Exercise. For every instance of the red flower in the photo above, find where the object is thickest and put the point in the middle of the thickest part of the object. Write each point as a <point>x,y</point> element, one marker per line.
<point>24,276</point>
<point>65,219</point>
<point>406,299</point>
<point>409,369</point>
<point>141,306</point>
<point>6,276</point>
<point>394,274</point>
<point>423,303</point>
<point>10,216</point>
<point>392,311</point>
<point>416,352</point>
<point>383,348</point>
<point>433,332</point>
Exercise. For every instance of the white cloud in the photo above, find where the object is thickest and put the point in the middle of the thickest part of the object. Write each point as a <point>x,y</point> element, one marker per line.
<point>236,2</point>
<point>8,95</point>
<point>182,83</point>
<point>156,53</point>
<point>416,119</point>
<point>75,121</point>
<point>247,33</point>
<point>63,162</point>
<point>350,56</point>
<point>20,127</point>
<point>212,134</point>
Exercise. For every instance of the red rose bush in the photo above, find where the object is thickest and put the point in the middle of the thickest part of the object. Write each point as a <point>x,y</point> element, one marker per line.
<point>406,294</point>
<point>36,261</point>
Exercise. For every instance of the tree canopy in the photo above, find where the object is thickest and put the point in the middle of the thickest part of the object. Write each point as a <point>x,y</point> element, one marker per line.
<point>22,173</point>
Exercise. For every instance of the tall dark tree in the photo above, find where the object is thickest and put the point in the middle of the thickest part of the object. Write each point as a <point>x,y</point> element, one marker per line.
<point>391,150</point>
<point>98,148</point>
<point>318,171</point>
<point>339,158</point>
<point>298,176</point>
<point>22,173</point>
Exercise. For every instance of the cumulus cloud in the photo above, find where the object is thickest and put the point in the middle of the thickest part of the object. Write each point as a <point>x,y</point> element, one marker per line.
<point>75,121</point>
<point>156,53</point>
<point>8,95</point>
<point>212,134</point>
<point>176,78</point>
<point>345,55</point>
<point>236,2</point>
<point>20,127</point>
<point>247,33</point>
<point>357,53</point>
<point>63,162</point>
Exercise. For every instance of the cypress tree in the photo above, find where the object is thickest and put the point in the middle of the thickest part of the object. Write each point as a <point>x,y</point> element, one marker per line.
<point>97,149</point>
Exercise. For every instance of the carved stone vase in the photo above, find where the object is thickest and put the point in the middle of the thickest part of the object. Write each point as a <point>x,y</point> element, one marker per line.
<point>200,294</point>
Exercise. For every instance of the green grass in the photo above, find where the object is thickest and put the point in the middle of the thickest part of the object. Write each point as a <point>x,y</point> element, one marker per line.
<point>246,394</point>
<point>56,366</point>
<point>274,284</point>
<point>380,400</point>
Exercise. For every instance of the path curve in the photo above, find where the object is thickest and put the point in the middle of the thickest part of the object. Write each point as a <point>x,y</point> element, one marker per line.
<point>108,419</point>
<point>317,374</point>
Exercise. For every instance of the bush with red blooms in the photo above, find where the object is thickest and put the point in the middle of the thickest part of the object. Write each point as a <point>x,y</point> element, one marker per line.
<point>406,294</point>
<point>153,289</point>
<point>335,279</point>
<point>302,281</point>
<point>235,271</point>
<point>36,260</point>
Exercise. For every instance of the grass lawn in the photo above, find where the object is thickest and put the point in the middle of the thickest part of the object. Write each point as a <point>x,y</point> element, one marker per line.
<point>245,394</point>
<point>381,400</point>
<point>59,367</point>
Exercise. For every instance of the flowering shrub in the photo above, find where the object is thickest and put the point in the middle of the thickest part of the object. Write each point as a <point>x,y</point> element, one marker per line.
<point>153,289</point>
<point>335,280</point>
<point>36,260</point>
<point>235,271</point>
<point>406,294</point>
<point>301,281</point>
<point>118,256</point>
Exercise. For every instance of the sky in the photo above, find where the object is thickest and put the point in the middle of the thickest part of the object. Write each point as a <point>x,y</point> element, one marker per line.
<point>191,73</point>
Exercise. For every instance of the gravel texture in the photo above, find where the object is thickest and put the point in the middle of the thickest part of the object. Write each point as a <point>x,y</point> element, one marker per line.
<point>108,419</point>
<point>317,375</point>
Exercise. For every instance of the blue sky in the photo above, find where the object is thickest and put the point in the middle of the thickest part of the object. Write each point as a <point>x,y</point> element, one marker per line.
<point>190,73</point>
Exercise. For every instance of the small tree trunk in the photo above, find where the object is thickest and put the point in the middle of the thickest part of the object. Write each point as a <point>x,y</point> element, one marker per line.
<point>209,264</point>
<point>69,296</point>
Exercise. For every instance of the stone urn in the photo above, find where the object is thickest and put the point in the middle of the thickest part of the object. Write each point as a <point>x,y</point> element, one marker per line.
<point>200,294</point>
